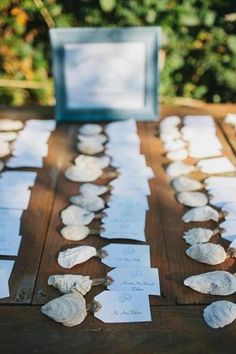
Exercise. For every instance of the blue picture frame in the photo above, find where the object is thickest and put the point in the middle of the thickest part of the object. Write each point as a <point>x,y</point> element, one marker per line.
<point>66,43</point>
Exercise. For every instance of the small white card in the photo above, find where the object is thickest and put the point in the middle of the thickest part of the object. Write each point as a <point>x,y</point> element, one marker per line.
<point>25,161</point>
<point>132,183</point>
<point>19,200</point>
<point>4,287</point>
<point>126,255</point>
<point>10,246</point>
<point>230,211</point>
<point>216,165</point>
<point>7,265</point>
<point>22,179</point>
<point>123,306</point>
<point>42,124</point>
<point>123,231</point>
<point>118,198</point>
<point>220,197</point>
<point>9,227</point>
<point>135,279</point>
<point>229,228</point>
<point>198,120</point>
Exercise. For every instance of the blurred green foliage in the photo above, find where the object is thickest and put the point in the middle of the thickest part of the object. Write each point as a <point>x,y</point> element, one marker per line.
<point>199,41</point>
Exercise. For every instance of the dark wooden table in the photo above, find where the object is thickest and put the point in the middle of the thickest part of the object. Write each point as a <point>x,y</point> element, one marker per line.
<point>177,325</point>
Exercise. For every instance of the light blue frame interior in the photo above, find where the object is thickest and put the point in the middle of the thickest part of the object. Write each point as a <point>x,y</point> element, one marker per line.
<point>149,35</point>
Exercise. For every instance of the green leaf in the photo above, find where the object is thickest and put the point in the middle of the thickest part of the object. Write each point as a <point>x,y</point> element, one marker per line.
<point>232,43</point>
<point>107,5</point>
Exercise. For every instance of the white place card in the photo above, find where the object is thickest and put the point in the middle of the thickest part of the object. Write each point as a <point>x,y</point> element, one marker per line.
<point>25,161</point>
<point>127,255</point>
<point>42,124</point>
<point>19,200</point>
<point>216,165</point>
<point>10,246</point>
<point>7,265</point>
<point>118,198</point>
<point>123,306</point>
<point>9,227</point>
<point>123,231</point>
<point>21,179</point>
<point>135,279</point>
<point>4,288</point>
<point>229,230</point>
<point>220,197</point>
<point>229,210</point>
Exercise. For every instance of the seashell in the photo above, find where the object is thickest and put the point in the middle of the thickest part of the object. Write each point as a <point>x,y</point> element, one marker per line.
<point>168,129</point>
<point>192,199</point>
<point>177,155</point>
<point>90,147</point>
<point>75,215</point>
<point>99,138</point>
<point>83,174</point>
<point>170,135</point>
<point>76,255</point>
<point>170,121</point>
<point>208,253</point>
<point>75,232</point>
<point>91,161</point>
<point>4,149</point>
<point>186,184</point>
<point>231,119</point>
<point>174,145</point>
<point>69,309</point>
<point>198,235</point>
<point>66,283</point>
<point>8,136</point>
<point>10,124</point>
<point>1,165</point>
<point>92,189</point>
<point>231,251</point>
<point>219,314</point>
<point>90,129</point>
<point>203,213</point>
<point>88,202</point>
<point>179,168</point>
<point>214,283</point>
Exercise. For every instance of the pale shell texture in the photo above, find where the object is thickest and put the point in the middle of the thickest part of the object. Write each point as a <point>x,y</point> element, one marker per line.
<point>83,174</point>
<point>186,184</point>
<point>179,168</point>
<point>170,120</point>
<point>90,147</point>
<point>75,215</point>
<point>75,232</point>
<point>197,235</point>
<point>177,155</point>
<point>208,253</point>
<point>69,309</point>
<point>92,189</point>
<point>174,145</point>
<point>67,282</point>
<point>88,202</point>
<point>167,136</point>
<point>4,148</point>
<point>1,165</point>
<point>9,124</point>
<point>99,138</point>
<point>92,161</point>
<point>8,136</point>
<point>204,213</point>
<point>219,314</point>
<point>192,199</point>
<point>76,255</point>
<point>103,161</point>
<point>214,283</point>
<point>90,129</point>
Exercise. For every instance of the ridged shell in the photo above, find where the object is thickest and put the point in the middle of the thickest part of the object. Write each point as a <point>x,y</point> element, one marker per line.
<point>4,148</point>
<point>204,213</point>
<point>67,282</point>
<point>69,309</point>
<point>208,253</point>
<point>197,235</point>
<point>90,129</point>
<point>76,255</point>
<point>75,215</point>
<point>10,124</point>
<point>170,121</point>
<point>214,283</point>
<point>192,199</point>
<point>186,184</point>
<point>75,232</point>
<point>219,314</point>
<point>170,135</point>
<point>99,138</point>
<point>177,155</point>
<point>174,145</point>
<point>90,147</point>
<point>88,202</point>
<point>83,174</point>
<point>1,165</point>
<point>8,136</point>
<point>92,189</point>
<point>179,168</point>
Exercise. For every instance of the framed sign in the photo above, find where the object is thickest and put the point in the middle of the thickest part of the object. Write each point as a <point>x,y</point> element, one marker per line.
<point>105,74</point>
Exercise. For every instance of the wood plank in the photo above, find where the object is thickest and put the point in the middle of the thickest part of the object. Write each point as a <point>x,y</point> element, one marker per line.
<point>178,330</point>
<point>93,267</point>
<point>230,134</point>
<point>35,224</point>
<point>180,265</point>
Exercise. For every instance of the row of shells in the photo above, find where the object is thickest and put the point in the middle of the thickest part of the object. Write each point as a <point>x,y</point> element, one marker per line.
<point>189,192</point>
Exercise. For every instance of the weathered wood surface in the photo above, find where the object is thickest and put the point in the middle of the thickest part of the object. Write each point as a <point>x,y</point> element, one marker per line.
<point>177,326</point>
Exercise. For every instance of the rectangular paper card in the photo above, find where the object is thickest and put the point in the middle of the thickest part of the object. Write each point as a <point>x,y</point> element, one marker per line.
<point>228,230</point>
<point>123,306</point>
<point>229,211</point>
<point>118,199</point>
<point>123,231</point>
<point>42,124</point>
<point>127,255</point>
<point>216,165</point>
<point>4,288</point>
<point>10,246</point>
<point>135,279</point>
<point>7,265</point>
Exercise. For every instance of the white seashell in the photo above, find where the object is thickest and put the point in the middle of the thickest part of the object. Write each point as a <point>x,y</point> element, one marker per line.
<point>198,235</point>
<point>90,129</point>
<point>90,147</point>
<point>231,118</point>
<point>170,135</point>
<point>204,213</point>
<point>214,283</point>
<point>177,155</point>
<point>88,202</point>
<point>68,282</point>
<point>171,121</point>
<point>168,129</point>
<point>91,161</point>
<point>174,145</point>
<point>8,136</point>
<point>10,124</point>
<point>208,253</point>
<point>186,184</point>
<point>75,215</point>
<point>103,161</point>
<point>219,314</point>
<point>231,251</point>
<point>192,199</point>
<point>1,165</point>
<point>4,148</point>
<point>100,138</point>
<point>69,309</point>
<point>92,189</point>
<point>83,173</point>
<point>76,255</point>
<point>75,232</point>
<point>179,168</point>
